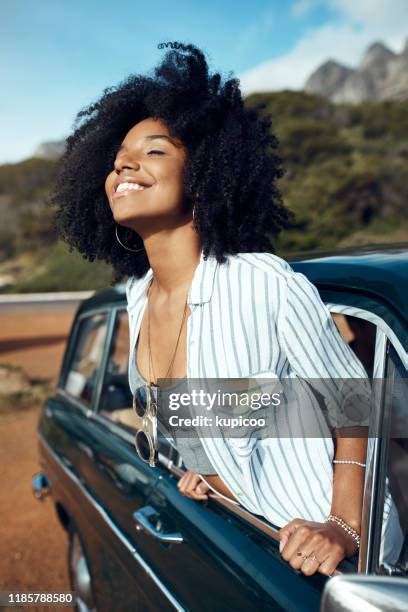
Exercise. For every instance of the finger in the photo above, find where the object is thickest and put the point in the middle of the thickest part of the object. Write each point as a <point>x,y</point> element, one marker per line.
<point>181,482</point>
<point>195,492</point>
<point>305,556</point>
<point>187,480</point>
<point>188,486</point>
<point>296,543</point>
<point>286,531</point>
<point>198,496</point>
<point>310,565</point>
<point>332,560</point>
<point>202,489</point>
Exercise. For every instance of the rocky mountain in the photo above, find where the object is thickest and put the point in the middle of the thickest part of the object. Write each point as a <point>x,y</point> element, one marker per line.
<point>380,75</point>
<point>50,150</point>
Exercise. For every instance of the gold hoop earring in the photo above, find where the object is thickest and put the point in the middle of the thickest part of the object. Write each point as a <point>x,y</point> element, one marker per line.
<point>124,245</point>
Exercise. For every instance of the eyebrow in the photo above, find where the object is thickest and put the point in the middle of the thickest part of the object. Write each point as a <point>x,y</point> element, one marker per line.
<point>153,137</point>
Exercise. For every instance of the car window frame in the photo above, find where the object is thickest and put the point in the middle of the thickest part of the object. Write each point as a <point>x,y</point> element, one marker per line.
<point>370,524</point>
<point>70,352</point>
<point>384,421</point>
<point>383,334</point>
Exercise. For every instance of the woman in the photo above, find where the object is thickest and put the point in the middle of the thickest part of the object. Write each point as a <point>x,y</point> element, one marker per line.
<point>188,210</point>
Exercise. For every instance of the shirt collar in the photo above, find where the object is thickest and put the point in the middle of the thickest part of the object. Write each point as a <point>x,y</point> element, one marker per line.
<point>201,287</point>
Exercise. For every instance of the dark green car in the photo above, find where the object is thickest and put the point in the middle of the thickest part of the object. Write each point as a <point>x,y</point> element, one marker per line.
<point>136,543</point>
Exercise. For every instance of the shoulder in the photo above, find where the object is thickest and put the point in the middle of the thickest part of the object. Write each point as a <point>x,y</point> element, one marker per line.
<point>257,280</point>
<point>269,272</point>
<point>261,264</point>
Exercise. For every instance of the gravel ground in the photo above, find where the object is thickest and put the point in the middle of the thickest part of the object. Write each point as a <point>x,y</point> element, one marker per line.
<point>32,540</point>
<point>33,543</point>
<point>35,340</point>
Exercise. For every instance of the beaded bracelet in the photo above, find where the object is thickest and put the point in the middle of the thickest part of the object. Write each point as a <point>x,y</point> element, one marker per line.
<point>346,527</point>
<point>349,461</point>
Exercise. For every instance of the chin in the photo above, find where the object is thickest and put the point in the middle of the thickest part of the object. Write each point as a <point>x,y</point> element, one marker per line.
<point>123,214</point>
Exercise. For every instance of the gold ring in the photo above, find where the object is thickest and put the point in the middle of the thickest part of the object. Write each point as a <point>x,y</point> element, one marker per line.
<point>313,556</point>
<point>300,554</point>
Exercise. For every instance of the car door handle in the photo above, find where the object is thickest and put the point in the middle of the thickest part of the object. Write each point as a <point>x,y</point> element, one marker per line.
<point>142,519</point>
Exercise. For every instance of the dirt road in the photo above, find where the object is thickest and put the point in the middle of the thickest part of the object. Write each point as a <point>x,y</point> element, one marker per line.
<point>35,340</point>
<point>33,544</point>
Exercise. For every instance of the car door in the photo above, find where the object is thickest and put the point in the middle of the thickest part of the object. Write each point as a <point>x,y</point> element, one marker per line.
<point>103,478</point>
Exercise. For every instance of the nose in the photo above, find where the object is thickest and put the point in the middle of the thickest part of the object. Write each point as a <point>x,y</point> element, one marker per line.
<point>123,162</point>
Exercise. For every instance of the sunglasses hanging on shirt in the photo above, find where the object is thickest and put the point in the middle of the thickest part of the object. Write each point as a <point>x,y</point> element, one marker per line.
<point>145,404</point>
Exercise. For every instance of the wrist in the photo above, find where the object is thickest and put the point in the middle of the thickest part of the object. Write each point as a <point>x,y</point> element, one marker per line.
<point>353,520</point>
<point>345,527</point>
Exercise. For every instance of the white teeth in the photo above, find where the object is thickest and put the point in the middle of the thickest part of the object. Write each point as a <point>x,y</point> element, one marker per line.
<point>126,186</point>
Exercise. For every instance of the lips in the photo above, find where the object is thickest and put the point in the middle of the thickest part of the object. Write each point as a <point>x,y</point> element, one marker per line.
<point>126,184</point>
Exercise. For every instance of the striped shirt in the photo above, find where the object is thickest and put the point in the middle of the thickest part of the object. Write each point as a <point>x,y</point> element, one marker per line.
<point>255,317</point>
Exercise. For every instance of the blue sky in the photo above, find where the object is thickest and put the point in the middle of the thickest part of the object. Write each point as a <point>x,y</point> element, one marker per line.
<point>56,56</point>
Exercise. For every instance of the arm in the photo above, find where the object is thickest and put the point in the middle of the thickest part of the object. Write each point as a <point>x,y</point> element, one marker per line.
<point>348,481</point>
<point>317,352</point>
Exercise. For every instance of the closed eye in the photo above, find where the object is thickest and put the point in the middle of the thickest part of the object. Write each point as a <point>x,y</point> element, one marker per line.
<point>156,151</point>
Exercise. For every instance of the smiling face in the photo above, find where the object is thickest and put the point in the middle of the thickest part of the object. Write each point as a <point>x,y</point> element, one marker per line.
<point>146,184</point>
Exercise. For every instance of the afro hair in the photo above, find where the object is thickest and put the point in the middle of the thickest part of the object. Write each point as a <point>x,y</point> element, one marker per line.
<point>230,172</point>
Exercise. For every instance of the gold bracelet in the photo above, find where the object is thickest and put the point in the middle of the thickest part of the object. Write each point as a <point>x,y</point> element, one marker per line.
<point>352,532</point>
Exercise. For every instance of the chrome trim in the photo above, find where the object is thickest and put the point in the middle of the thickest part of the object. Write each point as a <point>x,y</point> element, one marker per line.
<point>91,312</point>
<point>104,359</point>
<point>142,520</point>
<point>372,461</point>
<point>374,593</point>
<point>117,532</point>
<point>88,412</point>
<point>367,315</point>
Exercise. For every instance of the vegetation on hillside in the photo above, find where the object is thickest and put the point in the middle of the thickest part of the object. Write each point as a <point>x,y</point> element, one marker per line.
<point>346,170</point>
<point>346,180</point>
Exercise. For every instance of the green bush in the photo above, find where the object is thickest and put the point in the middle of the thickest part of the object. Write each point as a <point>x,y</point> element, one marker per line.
<point>60,270</point>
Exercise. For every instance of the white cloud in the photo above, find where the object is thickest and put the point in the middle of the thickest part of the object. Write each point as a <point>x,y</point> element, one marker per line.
<point>361,23</point>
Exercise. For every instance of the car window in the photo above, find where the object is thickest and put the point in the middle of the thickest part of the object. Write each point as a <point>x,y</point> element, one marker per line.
<point>89,343</point>
<point>394,545</point>
<point>116,402</point>
<point>360,336</point>
<point>116,398</point>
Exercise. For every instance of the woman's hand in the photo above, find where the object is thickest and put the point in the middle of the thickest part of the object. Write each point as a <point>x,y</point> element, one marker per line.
<point>191,485</point>
<point>312,547</point>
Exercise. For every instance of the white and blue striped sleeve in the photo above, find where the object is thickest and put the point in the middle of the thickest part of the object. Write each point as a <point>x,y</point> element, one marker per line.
<point>315,348</point>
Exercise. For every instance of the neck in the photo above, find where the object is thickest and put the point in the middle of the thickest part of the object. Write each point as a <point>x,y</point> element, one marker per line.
<point>173,257</point>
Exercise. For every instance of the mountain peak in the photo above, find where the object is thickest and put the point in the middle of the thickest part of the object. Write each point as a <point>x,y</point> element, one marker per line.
<point>50,150</point>
<point>381,74</point>
<point>328,77</point>
<point>376,53</point>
